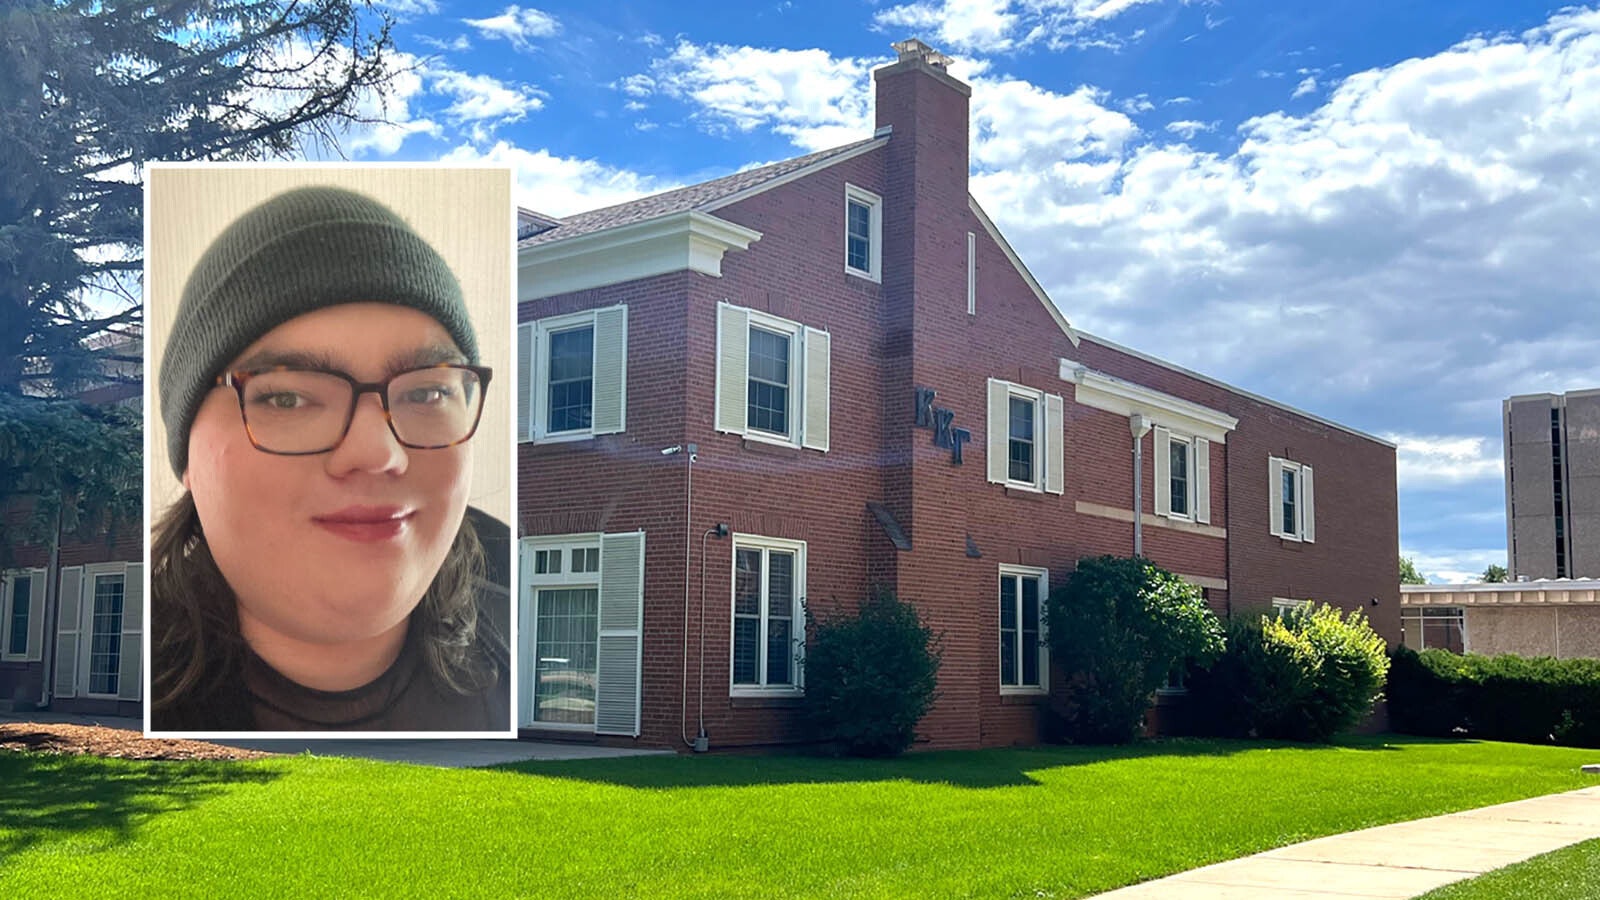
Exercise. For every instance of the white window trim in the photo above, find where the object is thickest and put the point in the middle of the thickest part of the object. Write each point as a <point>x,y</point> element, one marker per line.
<point>1191,497</point>
<point>1304,513</point>
<point>91,581</point>
<point>32,651</point>
<point>874,272</point>
<point>1044,646</point>
<point>566,579</point>
<point>797,616</point>
<point>1037,397</point>
<point>543,330</point>
<point>1281,605</point>
<point>795,332</point>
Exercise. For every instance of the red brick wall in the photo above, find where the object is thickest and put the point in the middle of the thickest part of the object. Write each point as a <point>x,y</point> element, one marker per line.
<point>887,340</point>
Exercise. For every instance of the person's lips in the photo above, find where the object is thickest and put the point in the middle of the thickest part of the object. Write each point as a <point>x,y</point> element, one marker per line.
<point>367,524</point>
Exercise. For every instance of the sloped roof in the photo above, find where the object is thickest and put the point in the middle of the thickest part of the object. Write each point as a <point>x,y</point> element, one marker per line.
<point>704,196</point>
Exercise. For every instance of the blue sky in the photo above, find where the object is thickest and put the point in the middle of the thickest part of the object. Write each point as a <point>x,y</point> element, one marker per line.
<point>1381,212</point>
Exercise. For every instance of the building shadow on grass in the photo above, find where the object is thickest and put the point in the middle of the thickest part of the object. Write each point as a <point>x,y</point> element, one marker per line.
<point>50,798</point>
<point>959,768</point>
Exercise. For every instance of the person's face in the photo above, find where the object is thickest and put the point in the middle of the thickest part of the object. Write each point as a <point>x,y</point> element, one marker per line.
<point>336,546</point>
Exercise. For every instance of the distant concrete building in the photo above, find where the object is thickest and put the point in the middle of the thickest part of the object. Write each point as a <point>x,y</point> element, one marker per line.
<point>1559,618</point>
<point>1552,454</point>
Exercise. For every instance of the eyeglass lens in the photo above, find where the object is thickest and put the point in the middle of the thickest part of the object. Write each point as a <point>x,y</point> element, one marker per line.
<point>289,411</point>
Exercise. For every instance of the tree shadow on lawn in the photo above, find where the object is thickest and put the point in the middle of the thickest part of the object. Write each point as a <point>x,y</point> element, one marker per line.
<point>50,798</point>
<point>959,768</point>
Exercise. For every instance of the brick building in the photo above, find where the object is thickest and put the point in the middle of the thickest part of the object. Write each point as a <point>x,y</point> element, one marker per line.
<point>779,389</point>
<point>76,645</point>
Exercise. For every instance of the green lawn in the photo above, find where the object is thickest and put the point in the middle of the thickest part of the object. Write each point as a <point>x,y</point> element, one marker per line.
<point>1060,822</point>
<point>1570,874</point>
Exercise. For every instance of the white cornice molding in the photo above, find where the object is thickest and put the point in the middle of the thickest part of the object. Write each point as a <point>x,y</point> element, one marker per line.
<point>1098,390</point>
<point>689,240</point>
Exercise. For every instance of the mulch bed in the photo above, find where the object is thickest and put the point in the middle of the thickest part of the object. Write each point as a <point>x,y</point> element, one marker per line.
<point>119,743</point>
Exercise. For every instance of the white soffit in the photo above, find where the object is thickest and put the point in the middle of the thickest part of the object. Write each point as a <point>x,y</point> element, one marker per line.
<point>689,240</point>
<point>1098,390</point>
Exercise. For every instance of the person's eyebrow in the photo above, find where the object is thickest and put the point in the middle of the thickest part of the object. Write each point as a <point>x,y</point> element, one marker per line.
<point>298,359</point>
<point>430,355</point>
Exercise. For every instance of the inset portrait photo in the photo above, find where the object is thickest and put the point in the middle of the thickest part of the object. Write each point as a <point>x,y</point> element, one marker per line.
<point>328,450</point>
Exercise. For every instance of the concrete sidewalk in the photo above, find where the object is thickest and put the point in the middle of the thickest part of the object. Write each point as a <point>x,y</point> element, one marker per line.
<point>1406,859</point>
<point>446,753</point>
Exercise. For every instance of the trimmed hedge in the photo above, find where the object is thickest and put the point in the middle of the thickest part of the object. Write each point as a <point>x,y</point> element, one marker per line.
<point>1529,700</point>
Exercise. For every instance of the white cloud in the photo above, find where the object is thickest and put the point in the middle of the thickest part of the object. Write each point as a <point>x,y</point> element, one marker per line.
<point>1306,86</point>
<point>1454,566</point>
<point>482,98</point>
<point>811,98</point>
<point>640,85</point>
<point>1001,26</point>
<point>1434,461</point>
<point>457,44</point>
<point>407,9</point>
<point>518,26</point>
<point>1188,128</point>
<point>561,186</point>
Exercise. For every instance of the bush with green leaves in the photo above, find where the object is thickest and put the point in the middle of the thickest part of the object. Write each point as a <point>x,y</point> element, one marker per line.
<point>1303,676</point>
<point>1533,700</point>
<point>1117,627</point>
<point>870,677</point>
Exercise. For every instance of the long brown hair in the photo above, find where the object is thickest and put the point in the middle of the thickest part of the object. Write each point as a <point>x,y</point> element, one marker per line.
<point>197,654</point>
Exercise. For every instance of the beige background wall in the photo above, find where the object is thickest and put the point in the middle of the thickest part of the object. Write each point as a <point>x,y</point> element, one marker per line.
<point>1564,631</point>
<point>465,213</point>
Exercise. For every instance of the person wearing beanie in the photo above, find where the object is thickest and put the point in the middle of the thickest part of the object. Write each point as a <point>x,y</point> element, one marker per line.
<point>319,387</point>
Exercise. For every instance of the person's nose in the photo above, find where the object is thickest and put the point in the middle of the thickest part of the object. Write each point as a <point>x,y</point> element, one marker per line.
<point>369,445</point>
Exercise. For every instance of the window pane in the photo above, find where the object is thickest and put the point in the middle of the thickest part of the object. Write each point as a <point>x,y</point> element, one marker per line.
<point>566,656</point>
<point>1178,469</point>
<point>1008,629</point>
<point>1021,440</point>
<point>747,583</point>
<point>571,379</point>
<point>858,244</point>
<point>1030,632</point>
<point>105,641</point>
<point>769,381</point>
<point>746,639</point>
<point>21,595</point>
<point>1290,524</point>
<point>780,657</point>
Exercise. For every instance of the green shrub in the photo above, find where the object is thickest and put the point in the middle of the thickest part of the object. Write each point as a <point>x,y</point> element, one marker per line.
<point>1304,676</point>
<point>1117,627</point>
<point>870,677</point>
<point>1532,700</point>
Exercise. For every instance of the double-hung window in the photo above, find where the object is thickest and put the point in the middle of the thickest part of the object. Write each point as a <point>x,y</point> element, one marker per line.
<point>1024,659</point>
<point>1291,507</point>
<point>1183,476</point>
<point>1026,437</point>
<point>769,577</point>
<point>572,375</point>
<point>772,378</point>
<point>863,233</point>
<point>22,614</point>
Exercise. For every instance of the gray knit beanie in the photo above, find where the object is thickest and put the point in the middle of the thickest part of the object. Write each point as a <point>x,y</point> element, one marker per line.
<point>300,251</point>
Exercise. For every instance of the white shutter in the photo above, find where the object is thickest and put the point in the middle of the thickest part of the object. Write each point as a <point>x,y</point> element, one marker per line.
<point>128,659</point>
<point>1054,439</point>
<point>527,663</point>
<point>733,367</point>
<point>999,432</point>
<point>1163,485</point>
<point>1307,508</point>
<point>817,380</point>
<point>617,688</point>
<point>525,381</point>
<point>1275,495</point>
<point>1202,481</point>
<point>610,370</point>
<point>70,606</point>
<point>36,616</point>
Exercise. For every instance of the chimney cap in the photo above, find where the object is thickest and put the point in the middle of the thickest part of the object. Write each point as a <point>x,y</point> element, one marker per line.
<point>914,49</point>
